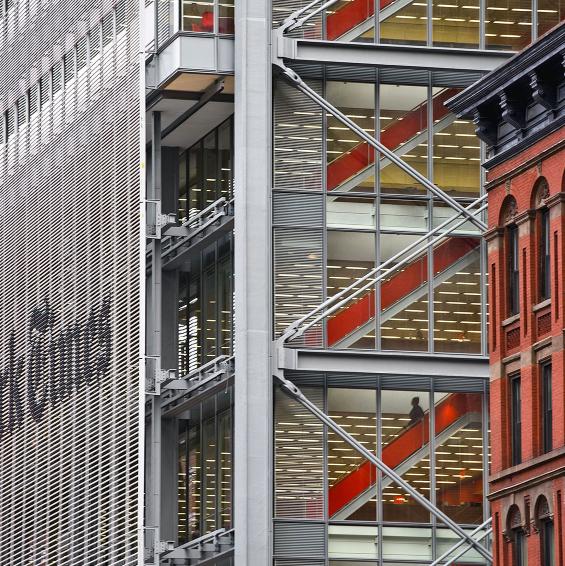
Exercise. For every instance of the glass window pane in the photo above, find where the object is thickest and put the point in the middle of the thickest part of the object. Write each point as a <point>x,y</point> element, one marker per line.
<point>225,151</point>
<point>350,160</point>
<point>550,13</point>
<point>406,544</point>
<point>508,24</point>
<point>457,296</point>
<point>352,478</point>
<point>198,16</point>
<point>404,24</point>
<point>404,296</point>
<point>403,128</point>
<point>457,156</point>
<point>351,20</point>
<point>299,457</point>
<point>405,215</point>
<point>405,449</point>
<point>226,17</point>
<point>350,256</point>
<point>183,189</point>
<point>210,160</point>
<point>351,212</point>
<point>348,541</point>
<point>456,23</point>
<point>225,471</point>
<point>459,456</point>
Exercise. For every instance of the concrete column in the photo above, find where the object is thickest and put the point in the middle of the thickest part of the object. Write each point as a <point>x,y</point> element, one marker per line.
<point>253,379</point>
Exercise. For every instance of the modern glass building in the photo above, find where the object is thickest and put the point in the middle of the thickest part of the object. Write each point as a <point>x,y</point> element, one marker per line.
<point>243,293</point>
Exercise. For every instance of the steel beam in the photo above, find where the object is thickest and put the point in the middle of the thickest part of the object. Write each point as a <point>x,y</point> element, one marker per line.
<point>317,51</point>
<point>293,391</point>
<point>253,395</point>
<point>384,363</point>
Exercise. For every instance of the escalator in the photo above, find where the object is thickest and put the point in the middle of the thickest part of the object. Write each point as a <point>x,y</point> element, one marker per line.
<point>452,413</point>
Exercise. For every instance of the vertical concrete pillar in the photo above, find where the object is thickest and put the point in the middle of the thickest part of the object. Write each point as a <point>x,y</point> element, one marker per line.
<point>252,256</point>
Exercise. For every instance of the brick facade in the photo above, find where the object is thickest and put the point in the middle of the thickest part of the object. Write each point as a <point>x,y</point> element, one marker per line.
<point>519,112</point>
<point>518,190</point>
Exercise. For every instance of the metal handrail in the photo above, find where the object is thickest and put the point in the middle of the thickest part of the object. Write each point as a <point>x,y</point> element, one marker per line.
<point>297,328</point>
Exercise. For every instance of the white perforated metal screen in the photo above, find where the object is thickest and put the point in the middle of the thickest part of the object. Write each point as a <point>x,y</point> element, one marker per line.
<point>70,307</point>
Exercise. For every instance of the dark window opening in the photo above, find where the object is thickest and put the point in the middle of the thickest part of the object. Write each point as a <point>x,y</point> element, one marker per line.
<point>547,543</point>
<point>516,420</point>
<point>546,408</point>
<point>513,271</point>
<point>544,256</point>
<point>520,548</point>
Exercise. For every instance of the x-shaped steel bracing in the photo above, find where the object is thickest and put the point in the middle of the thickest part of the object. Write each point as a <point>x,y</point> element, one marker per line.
<point>294,21</point>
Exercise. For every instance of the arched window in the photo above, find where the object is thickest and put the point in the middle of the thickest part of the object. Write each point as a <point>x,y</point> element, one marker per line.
<point>517,537</point>
<point>541,192</point>
<point>507,219</point>
<point>544,523</point>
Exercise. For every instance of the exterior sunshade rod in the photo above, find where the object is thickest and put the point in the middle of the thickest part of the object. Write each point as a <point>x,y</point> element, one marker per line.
<point>462,552</point>
<point>291,330</point>
<point>297,81</point>
<point>374,280</point>
<point>290,389</point>
<point>439,560</point>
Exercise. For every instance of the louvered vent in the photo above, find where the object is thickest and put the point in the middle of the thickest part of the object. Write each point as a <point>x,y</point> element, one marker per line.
<point>459,384</point>
<point>298,209</point>
<point>70,305</point>
<point>297,139</point>
<point>454,79</point>
<point>299,458</point>
<point>298,275</point>
<point>353,380</point>
<point>299,563</point>
<point>303,378</point>
<point>300,540</point>
<point>409,383</point>
<point>403,76</point>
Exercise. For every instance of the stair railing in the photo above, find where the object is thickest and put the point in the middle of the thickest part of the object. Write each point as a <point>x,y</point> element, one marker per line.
<point>340,299</point>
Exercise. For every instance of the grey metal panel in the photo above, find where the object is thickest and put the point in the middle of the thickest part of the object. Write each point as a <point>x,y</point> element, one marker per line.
<point>307,540</point>
<point>298,209</point>
<point>385,363</point>
<point>70,305</point>
<point>297,156</point>
<point>369,54</point>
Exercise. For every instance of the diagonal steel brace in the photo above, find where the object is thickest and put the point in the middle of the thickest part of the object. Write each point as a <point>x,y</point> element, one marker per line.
<point>466,549</point>
<point>297,81</point>
<point>438,561</point>
<point>292,390</point>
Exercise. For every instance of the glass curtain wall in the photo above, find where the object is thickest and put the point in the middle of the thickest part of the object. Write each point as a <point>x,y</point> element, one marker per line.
<point>471,24</point>
<point>207,16</point>
<point>428,298</point>
<point>205,468</point>
<point>206,171</point>
<point>435,436</point>
<point>205,307</point>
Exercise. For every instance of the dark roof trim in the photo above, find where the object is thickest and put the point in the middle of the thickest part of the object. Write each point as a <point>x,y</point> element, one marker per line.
<point>518,66</point>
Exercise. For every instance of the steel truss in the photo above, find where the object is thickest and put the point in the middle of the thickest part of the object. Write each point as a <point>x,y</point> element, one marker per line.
<point>293,391</point>
<point>325,309</point>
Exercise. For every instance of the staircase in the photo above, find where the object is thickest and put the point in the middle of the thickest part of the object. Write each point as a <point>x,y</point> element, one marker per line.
<point>452,413</point>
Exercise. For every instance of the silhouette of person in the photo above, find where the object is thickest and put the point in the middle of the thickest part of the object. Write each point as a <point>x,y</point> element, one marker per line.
<point>417,413</point>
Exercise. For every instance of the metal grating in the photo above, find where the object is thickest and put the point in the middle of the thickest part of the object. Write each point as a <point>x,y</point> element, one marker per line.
<point>70,306</point>
<point>298,209</point>
<point>297,155</point>
<point>304,540</point>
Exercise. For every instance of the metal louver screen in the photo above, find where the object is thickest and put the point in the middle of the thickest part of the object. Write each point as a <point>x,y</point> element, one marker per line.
<point>298,276</point>
<point>70,304</point>
<point>297,139</point>
<point>304,540</point>
<point>299,458</point>
<point>298,209</point>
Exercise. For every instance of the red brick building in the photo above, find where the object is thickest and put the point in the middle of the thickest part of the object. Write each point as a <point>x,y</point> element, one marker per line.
<point>519,112</point>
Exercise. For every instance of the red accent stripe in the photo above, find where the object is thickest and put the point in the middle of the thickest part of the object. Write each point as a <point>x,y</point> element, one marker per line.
<point>400,285</point>
<point>447,412</point>
<point>362,155</point>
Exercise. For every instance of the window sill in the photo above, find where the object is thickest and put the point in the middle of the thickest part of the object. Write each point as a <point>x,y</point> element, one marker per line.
<point>542,305</point>
<point>510,320</point>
